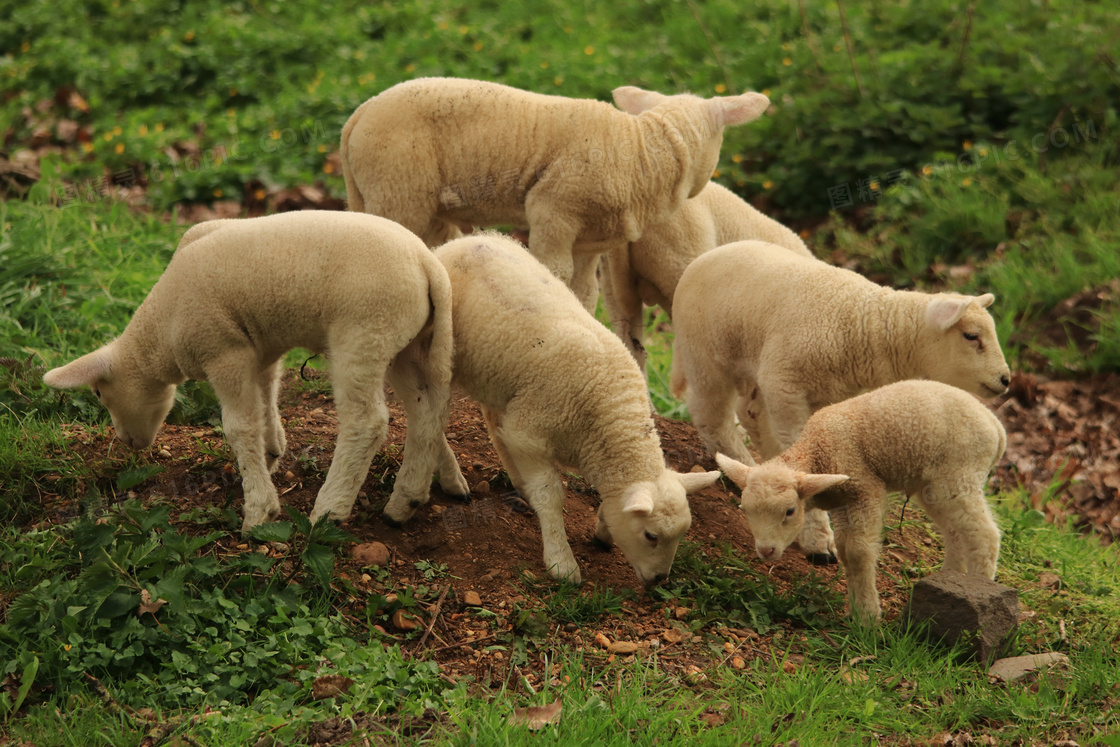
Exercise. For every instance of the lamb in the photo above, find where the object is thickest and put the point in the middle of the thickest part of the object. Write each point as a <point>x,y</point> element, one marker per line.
<point>932,441</point>
<point>440,155</point>
<point>555,386</point>
<point>801,335</point>
<point>648,270</point>
<point>238,294</point>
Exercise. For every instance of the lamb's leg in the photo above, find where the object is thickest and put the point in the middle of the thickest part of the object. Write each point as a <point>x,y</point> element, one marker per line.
<point>363,422</point>
<point>275,442</point>
<point>425,448</point>
<point>711,399</point>
<point>968,531</point>
<point>623,303</point>
<point>858,529</point>
<point>551,238</point>
<point>527,460</point>
<point>244,420</point>
<point>585,281</point>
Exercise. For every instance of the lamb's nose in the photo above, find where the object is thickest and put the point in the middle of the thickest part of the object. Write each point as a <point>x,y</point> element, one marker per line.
<point>658,578</point>
<point>766,552</point>
<point>1005,380</point>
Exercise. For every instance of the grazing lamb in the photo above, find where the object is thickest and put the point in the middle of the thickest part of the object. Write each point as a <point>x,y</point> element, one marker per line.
<point>238,294</point>
<point>648,270</point>
<point>929,440</point>
<point>800,335</point>
<point>556,387</point>
<point>442,154</point>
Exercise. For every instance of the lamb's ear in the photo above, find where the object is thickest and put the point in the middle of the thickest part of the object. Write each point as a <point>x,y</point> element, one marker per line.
<point>945,311</point>
<point>694,481</point>
<point>809,485</point>
<point>734,110</point>
<point>638,501</point>
<point>985,300</point>
<point>737,471</point>
<point>89,369</point>
<point>633,100</point>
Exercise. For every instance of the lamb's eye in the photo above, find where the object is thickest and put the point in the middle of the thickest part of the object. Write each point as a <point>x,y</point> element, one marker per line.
<point>789,512</point>
<point>651,537</point>
<point>96,392</point>
<point>971,336</point>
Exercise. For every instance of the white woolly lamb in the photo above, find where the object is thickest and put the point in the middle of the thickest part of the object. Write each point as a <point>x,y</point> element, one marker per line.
<point>238,294</point>
<point>648,270</point>
<point>556,387</point>
<point>443,154</point>
<point>929,440</point>
<point>801,334</point>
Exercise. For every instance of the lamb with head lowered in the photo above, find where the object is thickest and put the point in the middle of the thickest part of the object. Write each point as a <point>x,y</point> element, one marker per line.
<point>557,387</point>
<point>238,294</point>
<point>772,337</point>
<point>647,271</point>
<point>933,442</point>
<point>439,155</point>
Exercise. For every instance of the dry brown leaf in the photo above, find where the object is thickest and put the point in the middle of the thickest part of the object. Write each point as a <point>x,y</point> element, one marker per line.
<point>147,605</point>
<point>537,717</point>
<point>330,686</point>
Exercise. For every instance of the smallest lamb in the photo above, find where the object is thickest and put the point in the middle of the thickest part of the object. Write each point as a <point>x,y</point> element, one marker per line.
<point>928,440</point>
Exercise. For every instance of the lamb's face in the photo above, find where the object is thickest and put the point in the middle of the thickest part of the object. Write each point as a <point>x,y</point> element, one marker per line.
<point>137,409</point>
<point>966,353</point>
<point>774,510</point>
<point>650,520</point>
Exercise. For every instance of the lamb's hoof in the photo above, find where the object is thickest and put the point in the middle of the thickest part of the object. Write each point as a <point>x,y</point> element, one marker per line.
<point>822,558</point>
<point>513,500</point>
<point>601,544</point>
<point>461,497</point>
<point>391,521</point>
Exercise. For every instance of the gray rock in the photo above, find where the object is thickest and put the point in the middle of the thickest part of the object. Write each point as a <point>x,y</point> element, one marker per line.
<point>1018,667</point>
<point>960,606</point>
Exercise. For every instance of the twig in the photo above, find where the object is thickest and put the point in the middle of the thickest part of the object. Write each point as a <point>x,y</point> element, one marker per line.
<point>711,46</point>
<point>958,66</point>
<point>432,622</point>
<point>1049,133</point>
<point>848,43</point>
<point>1062,631</point>
<point>809,36</point>
<point>463,643</point>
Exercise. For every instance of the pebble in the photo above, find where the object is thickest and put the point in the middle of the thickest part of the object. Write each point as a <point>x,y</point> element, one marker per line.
<point>371,553</point>
<point>681,612</point>
<point>165,453</point>
<point>622,647</point>
<point>482,488</point>
<point>472,599</point>
<point>602,640</point>
<point>289,475</point>
<point>404,621</point>
<point>737,662</point>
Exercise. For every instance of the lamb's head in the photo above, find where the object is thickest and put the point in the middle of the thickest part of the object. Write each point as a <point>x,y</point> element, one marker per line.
<point>698,123</point>
<point>136,404</point>
<point>774,500</point>
<point>962,348</point>
<point>648,520</point>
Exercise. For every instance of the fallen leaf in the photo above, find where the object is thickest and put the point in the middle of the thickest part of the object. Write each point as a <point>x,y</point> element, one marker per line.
<point>537,717</point>
<point>147,605</point>
<point>330,686</point>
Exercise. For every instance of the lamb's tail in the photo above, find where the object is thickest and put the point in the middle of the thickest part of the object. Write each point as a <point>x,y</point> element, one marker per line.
<point>354,199</point>
<point>443,344</point>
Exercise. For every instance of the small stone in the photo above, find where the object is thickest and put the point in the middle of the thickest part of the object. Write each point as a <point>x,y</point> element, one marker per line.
<point>371,553</point>
<point>499,655</point>
<point>229,469</point>
<point>602,640</point>
<point>165,453</point>
<point>289,475</point>
<point>959,605</point>
<point>789,667</point>
<point>672,635</point>
<point>729,647</point>
<point>1049,580</point>
<point>438,509</point>
<point>482,488</point>
<point>404,621</point>
<point>472,599</point>
<point>697,468</point>
<point>622,647</point>
<point>1018,668</point>
<point>737,662</point>
<point>681,612</point>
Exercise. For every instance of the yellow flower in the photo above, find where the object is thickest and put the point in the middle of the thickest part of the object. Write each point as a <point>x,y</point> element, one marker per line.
<point>143,130</point>
<point>589,50</point>
<point>328,168</point>
<point>217,193</point>
<point>119,149</point>
<point>983,151</point>
<point>67,647</point>
<point>260,194</point>
<point>444,25</point>
<point>218,160</point>
<point>322,148</point>
<point>558,79</point>
<point>87,147</point>
<point>804,233</point>
<point>874,186</point>
<point>966,181</point>
<point>25,47</point>
<point>544,65</point>
<point>410,68</point>
<point>189,36</point>
<point>478,46</point>
<point>715,174</point>
<point>967,145</point>
<point>927,170</point>
<point>463,29</point>
<point>275,134</point>
<point>767,184</point>
<point>737,158</point>
<point>231,112</point>
<point>159,126</point>
<point>740,182</point>
<point>836,47</point>
<point>720,88</point>
<point>358,55</point>
<point>785,46</point>
<point>766,92</point>
<point>108,136</point>
<point>787,61</point>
